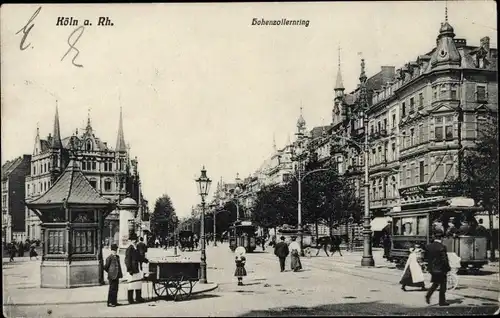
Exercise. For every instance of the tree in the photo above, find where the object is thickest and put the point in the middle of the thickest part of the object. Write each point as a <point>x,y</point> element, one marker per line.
<point>478,178</point>
<point>164,217</point>
<point>274,206</point>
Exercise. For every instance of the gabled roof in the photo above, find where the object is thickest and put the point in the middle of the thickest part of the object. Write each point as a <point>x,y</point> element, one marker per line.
<point>10,166</point>
<point>71,187</point>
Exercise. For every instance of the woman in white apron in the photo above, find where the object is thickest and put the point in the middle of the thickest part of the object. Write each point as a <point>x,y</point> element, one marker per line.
<point>413,275</point>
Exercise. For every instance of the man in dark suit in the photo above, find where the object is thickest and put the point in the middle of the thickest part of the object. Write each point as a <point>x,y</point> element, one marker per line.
<point>132,260</point>
<point>142,248</point>
<point>438,266</point>
<point>114,270</point>
<point>281,250</point>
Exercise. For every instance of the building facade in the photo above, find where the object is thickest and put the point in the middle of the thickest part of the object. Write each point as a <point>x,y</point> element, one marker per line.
<point>421,119</point>
<point>110,171</point>
<point>13,193</point>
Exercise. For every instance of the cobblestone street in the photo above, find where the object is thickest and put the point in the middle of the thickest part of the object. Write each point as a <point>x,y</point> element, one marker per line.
<point>326,286</point>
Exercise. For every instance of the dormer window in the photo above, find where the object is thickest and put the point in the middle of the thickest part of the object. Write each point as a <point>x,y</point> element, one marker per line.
<point>88,145</point>
<point>480,62</point>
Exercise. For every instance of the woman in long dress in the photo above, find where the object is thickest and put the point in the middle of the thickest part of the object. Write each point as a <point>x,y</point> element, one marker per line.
<point>294,248</point>
<point>413,275</point>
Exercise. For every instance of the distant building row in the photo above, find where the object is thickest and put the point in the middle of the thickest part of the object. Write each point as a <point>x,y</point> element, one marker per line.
<point>421,118</point>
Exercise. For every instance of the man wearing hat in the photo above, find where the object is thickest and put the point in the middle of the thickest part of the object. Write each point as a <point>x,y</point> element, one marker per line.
<point>132,260</point>
<point>114,270</point>
<point>438,266</point>
<point>281,250</point>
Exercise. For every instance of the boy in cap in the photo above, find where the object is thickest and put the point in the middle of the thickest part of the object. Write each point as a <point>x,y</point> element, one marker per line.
<point>114,270</point>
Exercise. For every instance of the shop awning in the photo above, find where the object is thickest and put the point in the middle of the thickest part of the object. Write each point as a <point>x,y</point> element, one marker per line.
<point>378,224</point>
<point>486,221</point>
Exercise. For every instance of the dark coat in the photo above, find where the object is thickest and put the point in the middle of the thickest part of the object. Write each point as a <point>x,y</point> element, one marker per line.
<point>281,249</point>
<point>142,248</point>
<point>132,259</point>
<point>437,258</point>
<point>113,267</point>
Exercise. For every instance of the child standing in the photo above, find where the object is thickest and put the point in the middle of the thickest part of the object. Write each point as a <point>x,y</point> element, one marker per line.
<point>240,261</point>
<point>114,270</point>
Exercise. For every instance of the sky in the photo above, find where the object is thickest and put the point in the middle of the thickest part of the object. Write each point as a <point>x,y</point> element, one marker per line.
<point>198,83</point>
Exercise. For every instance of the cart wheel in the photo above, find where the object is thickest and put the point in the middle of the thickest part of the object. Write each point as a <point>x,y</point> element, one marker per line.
<point>451,281</point>
<point>160,289</point>
<point>179,290</point>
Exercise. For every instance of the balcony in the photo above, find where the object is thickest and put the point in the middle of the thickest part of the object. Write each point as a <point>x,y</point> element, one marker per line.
<point>382,133</point>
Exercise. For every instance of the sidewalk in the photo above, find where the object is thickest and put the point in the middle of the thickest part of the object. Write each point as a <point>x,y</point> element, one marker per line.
<point>264,288</point>
<point>21,289</point>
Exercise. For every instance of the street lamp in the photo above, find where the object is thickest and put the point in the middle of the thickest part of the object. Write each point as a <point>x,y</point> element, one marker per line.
<point>176,221</point>
<point>203,188</point>
<point>298,155</point>
<point>214,209</point>
<point>367,259</point>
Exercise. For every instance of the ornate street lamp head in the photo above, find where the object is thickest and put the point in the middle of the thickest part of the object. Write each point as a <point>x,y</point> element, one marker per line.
<point>203,183</point>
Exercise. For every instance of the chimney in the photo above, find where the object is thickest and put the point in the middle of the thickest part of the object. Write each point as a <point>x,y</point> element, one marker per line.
<point>485,43</point>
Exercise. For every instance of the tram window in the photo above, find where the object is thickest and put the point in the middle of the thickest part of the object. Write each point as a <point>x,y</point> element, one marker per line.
<point>423,226</point>
<point>409,226</point>
<point>397,226</point>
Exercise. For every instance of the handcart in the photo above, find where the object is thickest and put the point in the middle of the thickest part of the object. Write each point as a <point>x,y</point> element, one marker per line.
<point>173,279</point>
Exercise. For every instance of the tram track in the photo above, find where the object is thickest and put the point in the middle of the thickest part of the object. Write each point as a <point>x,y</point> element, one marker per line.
<point>393,278</point>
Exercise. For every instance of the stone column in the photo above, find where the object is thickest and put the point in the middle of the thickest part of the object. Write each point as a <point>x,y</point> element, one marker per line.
<point>110,233</point>
<point>127,207</point>
<point>125,216</point>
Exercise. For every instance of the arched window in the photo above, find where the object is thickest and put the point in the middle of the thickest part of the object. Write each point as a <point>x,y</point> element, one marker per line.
<point>93,183</point>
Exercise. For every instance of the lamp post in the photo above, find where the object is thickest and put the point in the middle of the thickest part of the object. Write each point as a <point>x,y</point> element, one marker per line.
<point>298,155</point>
<point>175,236</point>
<point>203,188</point>
<point>215,227</point>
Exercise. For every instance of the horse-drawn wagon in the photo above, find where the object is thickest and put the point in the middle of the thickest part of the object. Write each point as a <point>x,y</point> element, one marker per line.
<point>186,240</point>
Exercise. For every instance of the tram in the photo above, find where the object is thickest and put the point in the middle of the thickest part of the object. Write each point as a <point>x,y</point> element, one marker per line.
<point>243,233</point>
<point>289,232</point>
<point>413,223</point>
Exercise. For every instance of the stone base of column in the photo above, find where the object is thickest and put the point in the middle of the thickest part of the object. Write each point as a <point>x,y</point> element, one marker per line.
<point>367,261</point>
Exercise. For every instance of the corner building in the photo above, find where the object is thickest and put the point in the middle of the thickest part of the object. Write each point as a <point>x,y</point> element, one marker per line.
<point>110,171</point>
<point>421,120</point>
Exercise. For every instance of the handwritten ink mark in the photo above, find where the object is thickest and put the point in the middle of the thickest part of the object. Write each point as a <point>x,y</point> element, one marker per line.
<point>72,45</point>
<point>26,30</point>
